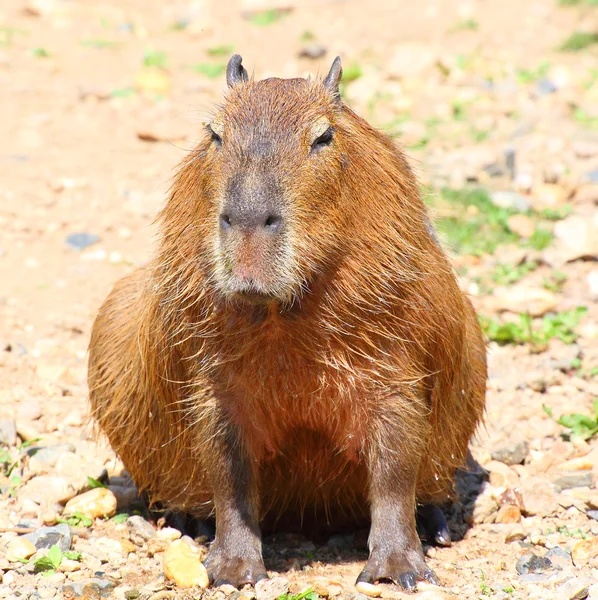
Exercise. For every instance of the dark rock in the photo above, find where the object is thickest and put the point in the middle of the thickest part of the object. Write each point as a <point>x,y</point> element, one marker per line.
<point>530,563</point>
<point>340,541</point>
<point>593,514</point>
<point>93,588</point>
<point>513,453</point>
<point>312,51</point>
<point>8,432</point>
<point>80,241</point>
<point>46,537</point>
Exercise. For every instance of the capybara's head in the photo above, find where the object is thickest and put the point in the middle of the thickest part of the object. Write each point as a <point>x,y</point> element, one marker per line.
<point>274,162</point>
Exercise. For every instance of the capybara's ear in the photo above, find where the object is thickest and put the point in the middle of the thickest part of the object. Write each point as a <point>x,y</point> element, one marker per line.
<point>235,72</point>
<point>334,77</point>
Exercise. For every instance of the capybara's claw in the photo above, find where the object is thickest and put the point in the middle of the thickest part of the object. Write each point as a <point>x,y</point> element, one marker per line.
<point>224,568</point>
<point>397,568</point>
<point>432,525</point>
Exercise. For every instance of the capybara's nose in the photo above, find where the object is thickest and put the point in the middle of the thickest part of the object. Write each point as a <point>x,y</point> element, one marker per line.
<point>250,220</point>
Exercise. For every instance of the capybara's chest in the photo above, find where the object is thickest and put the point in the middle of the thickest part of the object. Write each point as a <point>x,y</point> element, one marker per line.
<point>280,391</point>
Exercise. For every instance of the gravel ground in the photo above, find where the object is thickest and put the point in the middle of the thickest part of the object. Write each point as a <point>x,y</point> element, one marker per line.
<point>101,100</point>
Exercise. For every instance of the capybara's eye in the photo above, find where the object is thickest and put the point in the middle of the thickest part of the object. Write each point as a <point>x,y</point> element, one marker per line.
<point>215,137</point>
<point>322,140</point>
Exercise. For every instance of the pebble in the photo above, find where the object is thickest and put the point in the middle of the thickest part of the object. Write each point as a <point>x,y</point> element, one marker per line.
<point>50,454</point>
<point>271,588</point>
<point>577,237</point>
<point>522,225</point>
<point>29,410</point>
<point>549,195</point>
<point>571,479</point>
<point>48,489</point>
<point>521,298</point>
<point>531,563</point>
<point>81,241</point>
<point>8,432</point>
<point>98,502</point>
<point>511,200</point>
<point>584,551</point>
<point>168,533</point>
<point>559,557</point>
<point>575,588</point>
<point>373,591</point>
<point>539,497</point>
<point>182,564</point>
<point>90,589</point>
<point>313,51</point>
<point>140,530</point>
<point>501,475</point>
<point>513,453</point>
<point>46,537</point>
<point>508,514</point>
<point>19,547</point>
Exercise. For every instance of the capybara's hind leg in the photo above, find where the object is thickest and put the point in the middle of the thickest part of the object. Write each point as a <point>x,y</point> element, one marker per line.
<point>432,525</point>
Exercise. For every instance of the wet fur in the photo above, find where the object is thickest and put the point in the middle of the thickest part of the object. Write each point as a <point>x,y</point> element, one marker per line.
<point>372,328</point>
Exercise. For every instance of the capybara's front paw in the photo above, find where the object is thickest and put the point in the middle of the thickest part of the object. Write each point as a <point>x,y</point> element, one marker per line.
<point>403,567</point>
<point>234,567</point>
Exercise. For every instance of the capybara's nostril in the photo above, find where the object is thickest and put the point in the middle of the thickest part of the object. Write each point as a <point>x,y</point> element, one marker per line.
<point>225,222</point>
<point>273,223</point>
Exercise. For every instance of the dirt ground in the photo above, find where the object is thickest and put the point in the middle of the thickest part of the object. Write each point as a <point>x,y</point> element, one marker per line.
<point>101,100</point>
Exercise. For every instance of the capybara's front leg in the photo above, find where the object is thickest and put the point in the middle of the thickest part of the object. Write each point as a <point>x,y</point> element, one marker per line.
<point>235,556</point>
<point>395,549</point>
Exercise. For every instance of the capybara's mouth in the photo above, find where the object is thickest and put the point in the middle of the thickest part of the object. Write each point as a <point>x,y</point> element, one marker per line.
<point>253,297</point>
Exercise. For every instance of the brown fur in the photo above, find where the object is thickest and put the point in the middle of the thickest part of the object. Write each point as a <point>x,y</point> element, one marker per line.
<point>371,331</point>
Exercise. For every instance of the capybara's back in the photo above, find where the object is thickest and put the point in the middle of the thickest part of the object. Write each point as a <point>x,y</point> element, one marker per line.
<point>298,350</point>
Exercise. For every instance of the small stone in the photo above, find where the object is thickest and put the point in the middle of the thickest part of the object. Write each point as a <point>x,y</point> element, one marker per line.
<point>47,489</point>
<point>511,200</point>
<point>522,225</point>
<point>313,51</point>
<point>92,588</point>
<point>98,502</point>
<point>368,589</point>
<point>584,551</point>
<point>539,498</point>
<point>132,594</point>
<point>29,410</point>
<point>49,454</point>
<point>509,514</point>
<point>560,558</point>
<point>271,588</point>
<point>8,432</point>
<point>155,546</point>
<point>69,566</point>
<point>565,480</point>
<point>512,454</point>
<point>573,589</point>
<point>521,298</point>
<point>182,564</point>
<point>46,537</point>
<point>168,533</point>
<point>593,514</point>
<point>227,589</point>
<point>531,563</point>
<point>544,87</point>
<point>577,237</point>
<point>140,531</point>
<point>549,195</point>
<point>81,241</point>
<point>18,548</point>
<point>501,475</point>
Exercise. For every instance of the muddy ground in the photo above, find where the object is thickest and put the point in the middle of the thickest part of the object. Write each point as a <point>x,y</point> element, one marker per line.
<point>496,104</point>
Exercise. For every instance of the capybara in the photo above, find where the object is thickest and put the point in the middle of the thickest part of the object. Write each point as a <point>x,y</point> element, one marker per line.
<point>298,349</point>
